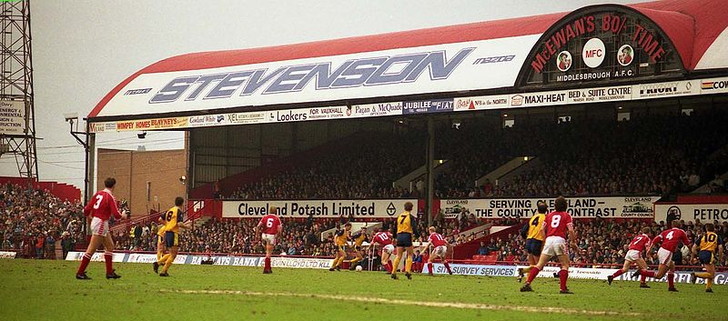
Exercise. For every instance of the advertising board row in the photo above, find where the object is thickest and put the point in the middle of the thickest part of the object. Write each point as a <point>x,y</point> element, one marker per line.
<point>548,272</point>
<point>317,208</point>
<point>579,207</point>
<point>250,261</point>
<point>534,99</point>
<point>438,268</point>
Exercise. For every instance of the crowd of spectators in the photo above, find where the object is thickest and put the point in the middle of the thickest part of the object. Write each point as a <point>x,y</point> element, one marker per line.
<point>35,222</point>
<point>364,168</point>
<point>659,155</point>
<point>600,242</point>
<point>655,154</point>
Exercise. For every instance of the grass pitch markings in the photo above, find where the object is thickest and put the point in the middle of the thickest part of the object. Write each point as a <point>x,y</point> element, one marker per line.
<point>435,304</point>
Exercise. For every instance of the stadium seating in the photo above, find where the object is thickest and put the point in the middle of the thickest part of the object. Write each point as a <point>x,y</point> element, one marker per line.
<point>662,154</point>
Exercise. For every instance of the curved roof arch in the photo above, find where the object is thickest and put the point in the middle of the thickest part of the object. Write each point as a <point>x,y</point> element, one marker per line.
<point>696,28</point>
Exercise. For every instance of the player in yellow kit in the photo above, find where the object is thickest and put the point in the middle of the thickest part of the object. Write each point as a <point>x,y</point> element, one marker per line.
<point>406,228</point>
<point>359,238</point>
<point>161,248</point>
<point>173,222</point>
<point>534,238</point>
<point>340,239</point>
<point>708,243</point>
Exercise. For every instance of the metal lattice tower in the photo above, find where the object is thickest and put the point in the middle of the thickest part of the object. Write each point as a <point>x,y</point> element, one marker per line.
<point>16,83</point>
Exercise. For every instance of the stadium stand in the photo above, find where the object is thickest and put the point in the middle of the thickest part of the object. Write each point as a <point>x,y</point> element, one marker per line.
<point>652,154</point>
<point>33,220</point>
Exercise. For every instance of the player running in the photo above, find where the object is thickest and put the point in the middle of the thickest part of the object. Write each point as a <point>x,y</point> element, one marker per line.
<point>271,226</point>
<point>340,239</point>
<point>670,239</point>
<point>439,249</point>
<point>534,238</point>
<point>359,239</point>
<point>708,243</point>
<point>556,226</point>
<point>406,227</point>
<point>634,256</point>
<point>174,220</point>
<point>98,211</point>
<point>384,239</point>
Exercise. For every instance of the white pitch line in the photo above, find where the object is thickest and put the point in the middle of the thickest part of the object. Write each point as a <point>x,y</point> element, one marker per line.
<point>436,304</point>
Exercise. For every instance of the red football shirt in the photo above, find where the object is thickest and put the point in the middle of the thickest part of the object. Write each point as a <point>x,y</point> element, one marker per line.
<point>640,242</point>
<point>670,238</point>
<point>437,240</point>
<point>102,205</point>
<point>270,224</point>
<point>556,224</point>
<point>382,238</point>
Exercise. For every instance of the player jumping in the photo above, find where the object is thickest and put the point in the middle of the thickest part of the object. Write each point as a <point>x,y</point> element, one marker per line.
<point>634,256</point>
<point>99,210</point>
<point>173,222</point>
<point>340,239</point>
<point>270,225</point>
<point>708,243</point>
<point>534,238</point>
<point>384,239</point>
<point>556,225</point>
<point>406,227</point>
<point>670,239</point>
<point>439,249</point>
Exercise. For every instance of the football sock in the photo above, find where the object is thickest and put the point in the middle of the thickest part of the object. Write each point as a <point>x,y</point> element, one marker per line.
<point>532,274</point>
<point>643,279</point>
<point>388,266</point>
<point>408,264</point>
<point>429,267</point>
<point>646,273</point>
<point>528,269</point>
<point>355,260</point>
<point>159,255</point>
<point>447,266</point>
<point>170,260</point>
<point>163,259</point>
<point>671,280</point>
<point>702,275</point>
<point>618,273</point>
<point>709,283</point>
<point>395,266</point>
<point>563,275</point>
<point>267,264</point>
<point>84,263</point>
<point>107,258</point>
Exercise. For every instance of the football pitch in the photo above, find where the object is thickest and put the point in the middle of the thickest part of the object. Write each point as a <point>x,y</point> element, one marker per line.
<point>47,290</point>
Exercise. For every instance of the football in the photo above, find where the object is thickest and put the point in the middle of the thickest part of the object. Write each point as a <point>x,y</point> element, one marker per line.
<point>358,268</point>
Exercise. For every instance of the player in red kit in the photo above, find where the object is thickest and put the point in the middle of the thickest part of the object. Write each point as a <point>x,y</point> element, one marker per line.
<point>384,239</point>
<point>439,248</point>
<point>270,225</point>
<point>100,208</point>
<point>634,256</point>
<point>670,239</point>
<point>556,225</point>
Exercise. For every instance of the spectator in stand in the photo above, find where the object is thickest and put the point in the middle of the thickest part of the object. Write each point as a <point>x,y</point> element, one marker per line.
<point>482,250</point>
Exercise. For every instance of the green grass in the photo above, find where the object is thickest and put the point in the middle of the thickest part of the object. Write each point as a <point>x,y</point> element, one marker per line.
<point>46,290</point>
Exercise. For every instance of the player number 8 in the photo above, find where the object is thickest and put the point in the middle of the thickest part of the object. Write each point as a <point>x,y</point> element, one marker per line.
<point>555,221</point>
